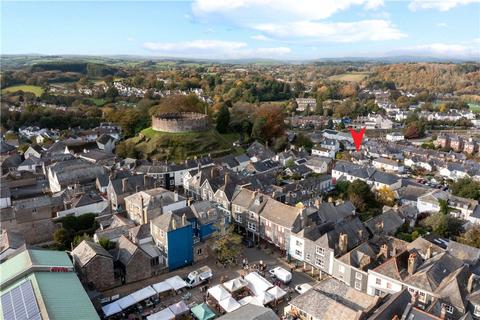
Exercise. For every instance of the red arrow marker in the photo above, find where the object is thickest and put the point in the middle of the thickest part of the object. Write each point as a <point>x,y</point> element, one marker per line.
<point>357,137</point>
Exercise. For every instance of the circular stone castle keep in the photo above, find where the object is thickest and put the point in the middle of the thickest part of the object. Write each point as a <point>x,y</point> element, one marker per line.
<point>180,122</point>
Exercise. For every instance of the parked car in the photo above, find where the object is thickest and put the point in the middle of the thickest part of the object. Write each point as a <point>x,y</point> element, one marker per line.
<point>302,288</point>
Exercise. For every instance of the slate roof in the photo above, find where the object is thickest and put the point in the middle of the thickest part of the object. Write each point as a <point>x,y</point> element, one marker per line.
<point>394,306</point>
<point>10,240</point>
<point>5,147</point>
<point>250,312</point>
<point>466,253</point>
<point>280,214</point>
<point>76,171</point>
<point>328,212</point>
<point>331,299</point>
<point>256,149</point>
<point>353,228</point>
<point>387,222</point>
<point>453,289</point>
<point>431,273</point>
<point>87,250</point>
<point>105,138</point>
<point>363,252</point>
<point>125,250</point>
<point>169,222</point>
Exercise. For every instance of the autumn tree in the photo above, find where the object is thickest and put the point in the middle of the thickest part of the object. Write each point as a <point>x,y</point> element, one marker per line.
<point>386,196</point>
<point>466,188</point>
<point>444,225</point>
<point>228,246</point>
<point>471,237</point>
<point>273,118</point>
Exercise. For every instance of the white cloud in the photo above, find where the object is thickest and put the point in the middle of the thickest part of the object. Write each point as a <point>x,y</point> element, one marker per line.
<point>441,5</point>
<point>459,50</point>
<point>194,45</point>
<point>214,49</point>
<point>260,37</point>
<point>248,10</point>
<point>442,24</point>
<point>365,30</point>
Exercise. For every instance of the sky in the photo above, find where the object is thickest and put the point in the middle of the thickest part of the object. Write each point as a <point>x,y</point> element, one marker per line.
<point>240,29</point>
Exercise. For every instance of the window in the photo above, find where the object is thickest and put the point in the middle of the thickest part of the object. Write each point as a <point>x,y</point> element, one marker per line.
<point>252,226</point>
<point>320,263</point>
<point>358,276</point>
<point>476,312</point>
<point>358,285</point>
<point>298,253</point>
<point>298,243</point>
<point>422,297</point>
<point>239,218</point>
<point>320,251</point>
<point>162,233</point>
<point>199,251</point>
<point>251,215</point>
<point>341,269</point>
<point>378,282</point>
<point>449,308</point>
<point>389,285</point>
<point>307,257</point>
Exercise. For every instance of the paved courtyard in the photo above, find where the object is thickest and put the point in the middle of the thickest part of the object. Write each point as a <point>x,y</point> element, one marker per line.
<point>220,274</point>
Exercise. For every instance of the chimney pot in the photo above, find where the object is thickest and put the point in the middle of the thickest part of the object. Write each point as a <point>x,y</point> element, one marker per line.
<point>412,263</point>
<point>124,184</point>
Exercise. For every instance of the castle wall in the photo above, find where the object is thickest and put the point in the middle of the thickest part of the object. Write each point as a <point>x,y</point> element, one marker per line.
<point>180,122</point>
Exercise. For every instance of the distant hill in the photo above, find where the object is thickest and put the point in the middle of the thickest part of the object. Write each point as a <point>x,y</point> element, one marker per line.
<point>87,68</point>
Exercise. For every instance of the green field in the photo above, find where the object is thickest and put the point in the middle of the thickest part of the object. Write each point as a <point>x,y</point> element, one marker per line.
<point>36,90</point>
<point>474,107</point>
<point>350,76</point>
<point>180,146</point>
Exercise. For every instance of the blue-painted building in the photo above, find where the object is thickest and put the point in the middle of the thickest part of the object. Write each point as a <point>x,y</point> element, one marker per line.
<point>173,235</point>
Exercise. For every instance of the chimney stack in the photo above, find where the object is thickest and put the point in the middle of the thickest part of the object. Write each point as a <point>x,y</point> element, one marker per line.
<point>343,243</point>
<point>174,222</point>
<point>412,263</point>
<point>443,312</point>
<point>124,184</point>
<point>145,182</point>
<point>384,251</point>
<point>184,219</point>
<point>175,196</point>
<point>429,252</point>
<point>471,284</point>
<point>227,178</point>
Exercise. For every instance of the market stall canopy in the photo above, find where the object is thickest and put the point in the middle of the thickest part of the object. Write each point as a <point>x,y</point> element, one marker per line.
<point>162,287</point>
<point>111,309</point>
<point>126,302</point>
<point>165,314</point>
<point>143,294</point>
<point>179,308</point>
<point>257,284</point>
<point>235,284</point>
<point>229,304</point>
<point>176,283</point>
<point>251,300</point>
<point>219,293</point>
<point>277,292</point>
<point>265,297</point>
<point>203,312</point>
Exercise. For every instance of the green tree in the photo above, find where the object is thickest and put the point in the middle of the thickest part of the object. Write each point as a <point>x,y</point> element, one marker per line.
<point>330,124</point>
<point>362,197</point>
<point>228,246</point>
<point>258,128</point>
<point>466,188</point>
<point>62,238</point>
<point>302,140</point>
<point>106,243</point>
<point>444,208</point>
<point>443,224</point>
<point>471,237</point>
<point>79,238</point>
<point>223,119</point>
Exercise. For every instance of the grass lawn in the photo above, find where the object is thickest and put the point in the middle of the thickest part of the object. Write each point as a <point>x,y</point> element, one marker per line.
<point>474,107</point>
<point>36,90</point>
<point>98,102</point>
<point>350,76</point>
<point>180,146</point>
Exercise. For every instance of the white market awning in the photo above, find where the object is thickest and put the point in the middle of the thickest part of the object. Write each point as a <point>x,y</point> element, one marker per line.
<point>165,314</point>
<point>229,304</point>
<point>257,284</point>
<point>277,292</point>
<point>143,294</point>
<point>162,287</point>
<point>235,284</point>
<point>251,300</point>
<point>265,297</point>
<point>219,293</point>
<point>126,302</point>
<point>111,309</point>
<point>179,308</point>
<point>176,283</point>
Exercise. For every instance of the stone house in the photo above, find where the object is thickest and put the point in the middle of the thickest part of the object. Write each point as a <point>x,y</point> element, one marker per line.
<point>123,186</point>
<point>94,265</point>
<point>145,205</point>
<point>131,262</point>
